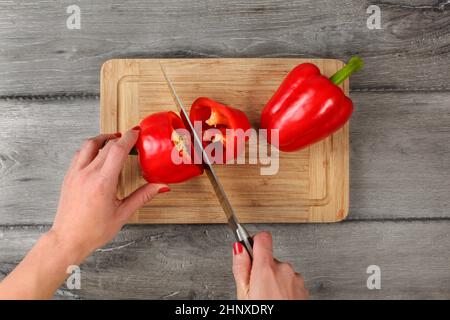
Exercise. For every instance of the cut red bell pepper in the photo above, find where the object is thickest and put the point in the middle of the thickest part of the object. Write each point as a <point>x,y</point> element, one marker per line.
<point>226,120</point>
<point>157,139</point>
<point>307,106</point>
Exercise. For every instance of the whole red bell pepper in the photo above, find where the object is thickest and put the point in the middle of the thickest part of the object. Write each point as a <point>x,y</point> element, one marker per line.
<point>157,139</point>
<point>307,106</point>
<point>226,121</point>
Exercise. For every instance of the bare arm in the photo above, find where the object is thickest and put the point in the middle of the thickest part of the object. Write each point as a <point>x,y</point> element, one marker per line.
<point>89,215</point>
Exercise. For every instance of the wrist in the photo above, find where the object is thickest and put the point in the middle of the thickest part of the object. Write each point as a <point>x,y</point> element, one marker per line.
<point>71,252</point>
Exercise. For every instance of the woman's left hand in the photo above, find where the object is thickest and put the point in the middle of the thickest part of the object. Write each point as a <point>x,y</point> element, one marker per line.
<point>89,213</point>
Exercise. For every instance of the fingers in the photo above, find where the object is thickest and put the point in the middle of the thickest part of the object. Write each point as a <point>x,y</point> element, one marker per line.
<point>118,153</point>
<point>262,248</point>
<point>101,157</point>
<point>74,162</point>
<point>242,266</point>
<point>140,197</point>
<point>90,149</point>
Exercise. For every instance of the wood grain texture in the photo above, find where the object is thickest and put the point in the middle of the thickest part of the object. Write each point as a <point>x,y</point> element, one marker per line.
<point>37,142</point>
<point>399,159</point>
<point>400,156</point>
<point>410,52</point>
<point>306,186</point>
<point>194,261</point>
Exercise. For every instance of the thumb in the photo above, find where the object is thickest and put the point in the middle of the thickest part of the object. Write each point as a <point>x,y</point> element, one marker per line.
<point>139,197</point>
<point>242,267</point>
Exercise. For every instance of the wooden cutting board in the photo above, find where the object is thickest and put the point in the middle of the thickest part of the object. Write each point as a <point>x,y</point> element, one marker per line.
<point>312,185</point>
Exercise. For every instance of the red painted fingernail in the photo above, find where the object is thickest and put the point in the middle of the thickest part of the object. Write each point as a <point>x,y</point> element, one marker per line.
<point>118,134</point>
<point>138,128</point>
<point>237,248</point>
<point>164,189</point>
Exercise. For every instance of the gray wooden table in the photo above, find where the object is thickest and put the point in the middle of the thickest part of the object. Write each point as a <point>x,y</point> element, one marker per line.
<point>400,139</point>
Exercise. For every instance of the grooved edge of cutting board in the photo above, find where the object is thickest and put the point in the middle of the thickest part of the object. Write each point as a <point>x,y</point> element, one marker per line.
<point>134,88</point>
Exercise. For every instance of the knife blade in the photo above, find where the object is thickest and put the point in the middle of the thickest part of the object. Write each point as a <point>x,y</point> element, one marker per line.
<point>239,231</point>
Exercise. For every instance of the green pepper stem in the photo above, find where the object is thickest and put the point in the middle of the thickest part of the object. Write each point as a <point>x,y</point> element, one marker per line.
<point>354,64</point>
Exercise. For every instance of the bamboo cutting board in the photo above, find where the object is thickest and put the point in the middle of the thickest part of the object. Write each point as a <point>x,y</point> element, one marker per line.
<point>312,185</point>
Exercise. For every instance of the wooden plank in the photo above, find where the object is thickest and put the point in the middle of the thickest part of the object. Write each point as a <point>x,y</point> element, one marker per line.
<point>399,160</point>
<point>194,261</point>
<point>37,140</point>
<point>132,89</point>
<point>410,52</point>
<point>400,156</point>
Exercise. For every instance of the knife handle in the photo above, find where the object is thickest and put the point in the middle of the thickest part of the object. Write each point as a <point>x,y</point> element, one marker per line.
<point>245,239</point>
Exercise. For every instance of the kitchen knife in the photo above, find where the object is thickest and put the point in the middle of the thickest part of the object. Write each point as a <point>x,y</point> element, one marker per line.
<point>240,233</point>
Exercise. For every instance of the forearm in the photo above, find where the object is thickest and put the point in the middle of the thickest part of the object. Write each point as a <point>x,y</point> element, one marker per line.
<point>42,271</point>
<point>89,215</point>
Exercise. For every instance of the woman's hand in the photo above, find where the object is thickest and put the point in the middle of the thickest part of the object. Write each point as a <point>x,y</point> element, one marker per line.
<point>89,213</point>
<point>265,278</point>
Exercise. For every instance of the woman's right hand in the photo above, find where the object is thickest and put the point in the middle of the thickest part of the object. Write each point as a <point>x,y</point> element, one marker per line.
<point>265,278</point>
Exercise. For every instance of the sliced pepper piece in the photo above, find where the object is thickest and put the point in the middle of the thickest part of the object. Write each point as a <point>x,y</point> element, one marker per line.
<point>157,140</point>
<point>219,125</point>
